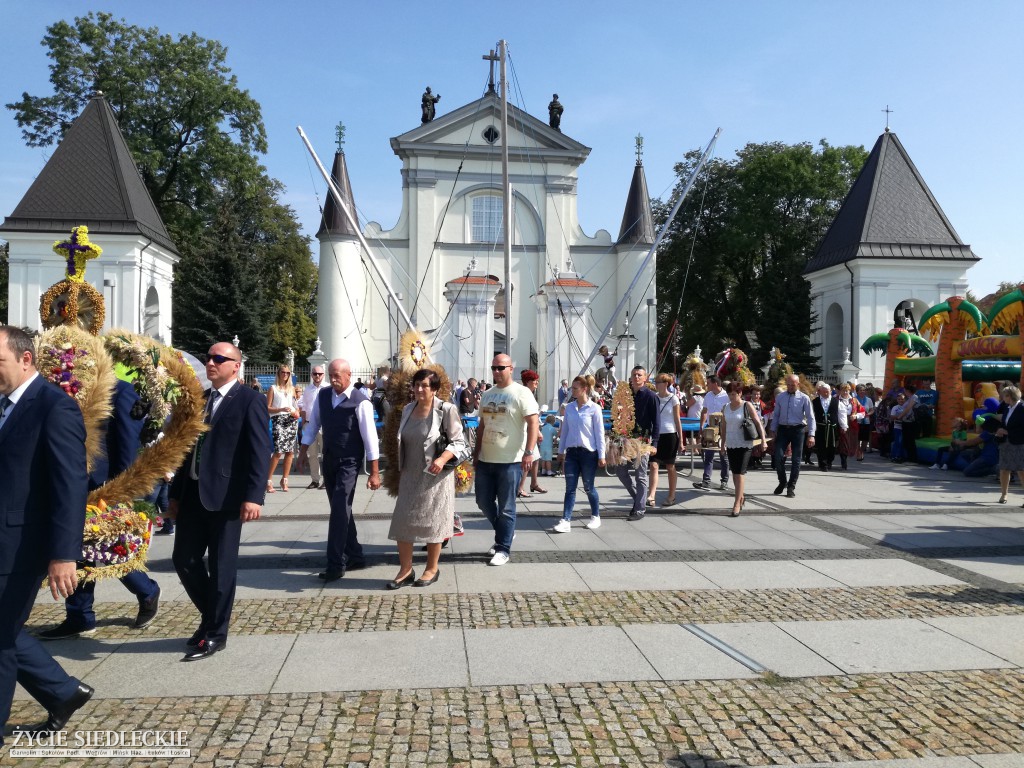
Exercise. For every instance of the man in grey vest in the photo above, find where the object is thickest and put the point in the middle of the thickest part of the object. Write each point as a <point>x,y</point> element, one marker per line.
<point>349,435</point>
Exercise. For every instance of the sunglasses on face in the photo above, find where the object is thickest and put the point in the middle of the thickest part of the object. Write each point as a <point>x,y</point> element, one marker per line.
<point>218,359</point>
<point>317,374</point>
<point>497,368</point>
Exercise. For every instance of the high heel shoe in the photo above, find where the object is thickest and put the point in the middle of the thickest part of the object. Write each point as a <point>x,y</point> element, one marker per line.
<point>270,487</point>
<point>1002,499</point>
<point>284,484</point>
<point>736,510</point>
<point>399,583</point>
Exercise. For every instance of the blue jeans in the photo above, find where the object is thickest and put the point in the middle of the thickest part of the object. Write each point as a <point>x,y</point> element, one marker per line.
<point>79,604</point>
<point>709,465</point>
<point>580,462</point>
<point>896,451</point>
<point>496,486</point>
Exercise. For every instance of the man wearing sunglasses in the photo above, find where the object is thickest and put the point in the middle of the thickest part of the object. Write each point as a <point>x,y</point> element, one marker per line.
<point>220,486</point>
<point>311,452</point>
<point>505,441</point>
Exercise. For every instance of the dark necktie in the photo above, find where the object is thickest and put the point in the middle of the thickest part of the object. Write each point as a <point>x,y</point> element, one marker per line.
<point>214,395</point>
<point>5,403</point>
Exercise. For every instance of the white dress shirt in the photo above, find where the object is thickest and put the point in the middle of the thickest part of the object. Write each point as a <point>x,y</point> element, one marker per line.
<point>582,427</point>
<point>15,396</point>
<point>364,416</point>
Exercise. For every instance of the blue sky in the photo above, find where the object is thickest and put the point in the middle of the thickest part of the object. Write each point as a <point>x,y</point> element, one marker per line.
<point>763,71</point>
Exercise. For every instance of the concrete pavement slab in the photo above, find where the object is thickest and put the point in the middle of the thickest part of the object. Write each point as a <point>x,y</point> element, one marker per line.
<point>476,578</point>
<point>248,665</point>
<point>268,584</point>
<point>999,635</point>
<point>677,654</point>
<point>879,573</point>
<point>995,761</point>
<point>727,540</point>
<point>1009,569</point>
<point>678,539</point>
<point>554,655</point>
<point>747,574</point>
<point>360,661</point>
<point>77,655</point>
<point>917,762</point>
<point>615,577</point>
<point>825,540</point>
<point>770,646</point>
<point>889,645</point>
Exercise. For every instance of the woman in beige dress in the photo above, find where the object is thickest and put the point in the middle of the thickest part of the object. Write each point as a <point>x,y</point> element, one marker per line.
<point>425,506</point>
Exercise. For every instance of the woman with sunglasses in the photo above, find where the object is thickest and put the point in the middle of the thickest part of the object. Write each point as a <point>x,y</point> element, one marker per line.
<point>284,418</point>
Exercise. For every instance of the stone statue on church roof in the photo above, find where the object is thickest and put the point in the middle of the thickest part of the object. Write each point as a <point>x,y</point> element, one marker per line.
<point>555,110</point>
<point>427,102</point>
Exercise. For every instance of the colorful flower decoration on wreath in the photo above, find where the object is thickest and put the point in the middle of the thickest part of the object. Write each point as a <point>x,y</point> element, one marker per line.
<point>77,250</point>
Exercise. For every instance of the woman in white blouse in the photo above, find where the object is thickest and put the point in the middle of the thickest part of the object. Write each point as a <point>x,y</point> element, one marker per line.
<point>581,446</point>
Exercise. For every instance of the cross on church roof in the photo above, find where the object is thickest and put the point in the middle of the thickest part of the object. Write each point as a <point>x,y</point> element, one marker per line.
<point>639,149</point>
<point>491,57</point>
<point>887,113</point>
<point>339,132</point>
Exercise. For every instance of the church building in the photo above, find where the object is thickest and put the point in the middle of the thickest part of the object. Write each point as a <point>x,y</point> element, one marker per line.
<point>890,254</point>
<point>445,261</point>
<point>92,180</point>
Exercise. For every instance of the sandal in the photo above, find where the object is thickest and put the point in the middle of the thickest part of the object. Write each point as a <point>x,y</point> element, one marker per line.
<point>521,495</point>
<point>284,484</point>
<point>670,501</point>
<point>537,489</point>
<point>270,487</point>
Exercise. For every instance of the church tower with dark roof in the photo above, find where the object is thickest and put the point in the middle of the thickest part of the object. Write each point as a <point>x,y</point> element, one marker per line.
<point>92,180</point>
<point>891,247</point>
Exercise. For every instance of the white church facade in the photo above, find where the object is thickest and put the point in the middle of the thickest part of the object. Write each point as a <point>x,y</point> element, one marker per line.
<point>444,255</point>
<point>92,180</point>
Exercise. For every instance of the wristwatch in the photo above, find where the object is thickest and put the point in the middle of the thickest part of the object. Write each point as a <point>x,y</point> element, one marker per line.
<point>527,453</point>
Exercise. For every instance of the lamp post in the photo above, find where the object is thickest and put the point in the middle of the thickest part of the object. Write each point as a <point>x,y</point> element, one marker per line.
<point>111,283</point>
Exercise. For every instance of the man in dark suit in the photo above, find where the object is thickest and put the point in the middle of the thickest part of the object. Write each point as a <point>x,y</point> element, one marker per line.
<point>346,416</point>
<point>122,442</point>
<point>826,419</point>
<point>220,486</point>
<point>42,514</point>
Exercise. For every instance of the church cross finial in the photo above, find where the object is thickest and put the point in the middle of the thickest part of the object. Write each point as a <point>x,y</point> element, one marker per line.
<point>339,132</point>
<point>887,113</point>
<point>639,149</point>
<point>491,57</point>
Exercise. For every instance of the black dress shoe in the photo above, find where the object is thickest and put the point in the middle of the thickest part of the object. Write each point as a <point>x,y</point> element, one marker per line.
<point>780,489</point>
<point>355,565</point>
<point>311,486</point>
<point>205,649</point>
<point>331,574</point>
<point>790,494</point>
<point>197,636</point>
<point>410,579</point>
<point>147,611</point>
<point>634,516</point>
<point>58,716</point>
<point>64,630</point>
<point>427,582</point>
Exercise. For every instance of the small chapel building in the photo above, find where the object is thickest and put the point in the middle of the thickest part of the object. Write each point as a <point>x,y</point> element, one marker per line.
<point>444,255</point>
<point>888,256</point>
<point>92,180</point>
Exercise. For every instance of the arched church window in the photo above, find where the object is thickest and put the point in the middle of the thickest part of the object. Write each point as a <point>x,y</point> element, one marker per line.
<point>487,219</point>
<point>151,314</point>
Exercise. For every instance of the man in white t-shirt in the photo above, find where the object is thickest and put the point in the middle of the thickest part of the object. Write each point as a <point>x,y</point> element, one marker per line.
<point>714,402</point>
<point>505,442</point>
<point>311,452</point>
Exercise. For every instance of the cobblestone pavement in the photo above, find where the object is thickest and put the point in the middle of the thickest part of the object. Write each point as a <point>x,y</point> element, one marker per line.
<point>699,724</point>
<point>387,612</point>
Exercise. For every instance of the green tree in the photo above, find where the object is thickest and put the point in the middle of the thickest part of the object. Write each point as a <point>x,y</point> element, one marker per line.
<point>751,225</point>
<point>195,136</point>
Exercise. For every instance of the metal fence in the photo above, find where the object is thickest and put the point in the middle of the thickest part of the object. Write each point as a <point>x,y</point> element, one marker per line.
<point>267,372</point>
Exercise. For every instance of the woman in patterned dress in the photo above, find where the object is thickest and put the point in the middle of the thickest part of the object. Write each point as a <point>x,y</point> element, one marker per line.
<point>425,507</point>
<point>284,419</point>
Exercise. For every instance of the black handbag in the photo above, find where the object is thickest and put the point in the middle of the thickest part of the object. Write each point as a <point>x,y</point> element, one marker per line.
<point>443,442</point>
<point>750,430</point>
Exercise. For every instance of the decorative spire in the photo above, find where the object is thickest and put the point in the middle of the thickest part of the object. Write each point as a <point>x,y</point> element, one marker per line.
<point>639,149</point>
<point>887,113</point>
<point>339,132</point>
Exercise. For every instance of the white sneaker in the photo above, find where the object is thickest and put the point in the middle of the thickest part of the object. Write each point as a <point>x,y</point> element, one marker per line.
<point>562,526</point>
<point>492,550</point>
<point>500,558</point>
<point>595,522</point>
<point>724,485</point>
<point>934,466</point>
